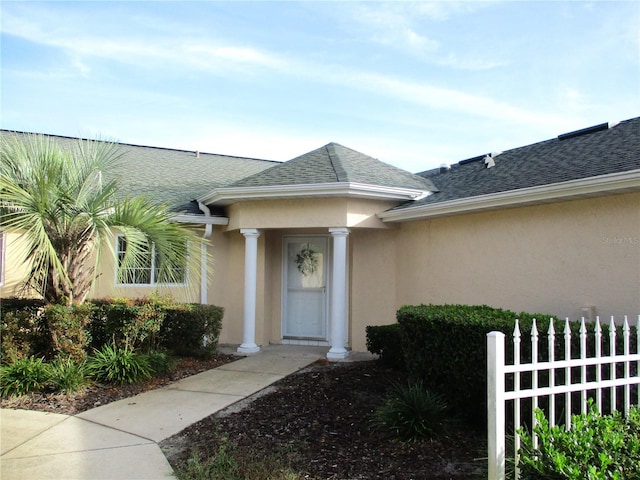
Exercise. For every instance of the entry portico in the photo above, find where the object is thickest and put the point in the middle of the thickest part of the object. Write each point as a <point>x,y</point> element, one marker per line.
<point>296,219</point>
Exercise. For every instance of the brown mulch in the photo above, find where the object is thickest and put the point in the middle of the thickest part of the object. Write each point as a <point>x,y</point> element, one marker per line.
<point>319,419</point>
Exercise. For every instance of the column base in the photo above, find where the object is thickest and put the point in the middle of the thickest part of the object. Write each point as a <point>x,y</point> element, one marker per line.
<point>248,349</point>
<point>337,354</point>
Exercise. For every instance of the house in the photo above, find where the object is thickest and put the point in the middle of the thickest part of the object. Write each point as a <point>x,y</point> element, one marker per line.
<point>313,250</point>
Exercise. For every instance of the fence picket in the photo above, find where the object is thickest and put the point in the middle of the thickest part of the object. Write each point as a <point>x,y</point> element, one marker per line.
<point>567,377</point>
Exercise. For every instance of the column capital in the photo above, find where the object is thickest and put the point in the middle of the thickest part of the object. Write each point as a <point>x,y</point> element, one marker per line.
<point>339,231</point>
<point>250,232</point>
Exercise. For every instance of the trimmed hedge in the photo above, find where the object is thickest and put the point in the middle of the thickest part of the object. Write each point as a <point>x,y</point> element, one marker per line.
<point>191,329</point>
<point>29,328</point>
<point>386,342</point>
<point>445,347</point>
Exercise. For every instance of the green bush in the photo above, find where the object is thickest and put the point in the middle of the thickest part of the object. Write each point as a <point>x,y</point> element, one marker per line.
<point>66,375</point>
<point>67,326</point>
<point>132,322</point>
<point>119,365</point>
<point>160,362</point>
<point>386,342</point>
<point>23,376</point>
<point>191,329</point>
<point>412,413</point>
<point>596,447</point>
<point>445,346</point>
<point>23,330</point>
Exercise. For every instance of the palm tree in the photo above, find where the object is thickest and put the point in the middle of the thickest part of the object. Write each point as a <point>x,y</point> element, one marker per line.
<point>66,210</point>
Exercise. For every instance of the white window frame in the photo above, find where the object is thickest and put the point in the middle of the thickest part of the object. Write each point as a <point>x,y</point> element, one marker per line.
<point>152,270</point>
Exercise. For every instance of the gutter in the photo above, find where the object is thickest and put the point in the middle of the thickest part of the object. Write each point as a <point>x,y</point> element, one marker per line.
<point>208,230</point>
<point>228,195</point>
<point>592,186</point>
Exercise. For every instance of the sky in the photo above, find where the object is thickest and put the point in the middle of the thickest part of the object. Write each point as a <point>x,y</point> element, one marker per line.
<point>414,84</point>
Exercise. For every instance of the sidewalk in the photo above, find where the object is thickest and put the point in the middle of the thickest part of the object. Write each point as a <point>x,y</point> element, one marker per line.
<point>119,441</point>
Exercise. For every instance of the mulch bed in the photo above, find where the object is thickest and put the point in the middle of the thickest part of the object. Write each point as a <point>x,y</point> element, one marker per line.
<point>319,417</point>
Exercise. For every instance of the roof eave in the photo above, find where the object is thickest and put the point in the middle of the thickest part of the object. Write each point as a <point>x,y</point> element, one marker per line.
<point>200,219</point>
<point>228,195</point>
<point>592,186</point>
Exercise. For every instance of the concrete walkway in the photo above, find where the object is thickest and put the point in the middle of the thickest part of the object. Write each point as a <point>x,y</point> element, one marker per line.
<point>119,441</point>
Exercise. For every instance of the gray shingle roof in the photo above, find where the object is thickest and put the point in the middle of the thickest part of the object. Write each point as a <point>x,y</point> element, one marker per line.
<point>174,177</point>
<point>591,152</point>
<point>335,163</point>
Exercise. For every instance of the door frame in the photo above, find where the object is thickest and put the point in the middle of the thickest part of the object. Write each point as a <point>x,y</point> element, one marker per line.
<point>286,239</point>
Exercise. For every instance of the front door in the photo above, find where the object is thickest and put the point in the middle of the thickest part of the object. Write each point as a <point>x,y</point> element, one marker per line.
<point>305,288</point>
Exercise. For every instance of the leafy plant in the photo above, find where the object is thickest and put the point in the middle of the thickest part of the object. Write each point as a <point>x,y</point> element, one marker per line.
<point>66,375</point>
<point>23,376</point>
<point>67,202</point>
<point>596,447</point>
<point>160,362</point>
<point>113,364</point>
<point>412,413</point>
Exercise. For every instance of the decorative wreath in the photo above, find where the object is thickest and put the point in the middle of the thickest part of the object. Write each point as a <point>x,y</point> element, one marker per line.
<point>307,261</point>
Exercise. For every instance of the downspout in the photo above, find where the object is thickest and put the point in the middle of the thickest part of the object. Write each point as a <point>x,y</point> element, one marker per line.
<point>208,230</point>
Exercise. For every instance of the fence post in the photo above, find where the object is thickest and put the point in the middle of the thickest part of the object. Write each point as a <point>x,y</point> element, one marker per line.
<point>495,405</point>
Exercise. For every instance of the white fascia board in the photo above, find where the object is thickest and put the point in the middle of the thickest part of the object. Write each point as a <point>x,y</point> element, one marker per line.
<point>226,196</point>
<point>611,183</point>
<point>200,219</point>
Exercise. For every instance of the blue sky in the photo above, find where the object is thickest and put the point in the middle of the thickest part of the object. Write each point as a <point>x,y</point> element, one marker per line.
<point>415,84</point>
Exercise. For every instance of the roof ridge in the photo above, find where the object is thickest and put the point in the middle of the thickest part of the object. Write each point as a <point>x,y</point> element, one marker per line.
<point>338,168</point>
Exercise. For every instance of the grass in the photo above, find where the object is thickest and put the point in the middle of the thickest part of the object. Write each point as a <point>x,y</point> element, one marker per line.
<point>228,463</point>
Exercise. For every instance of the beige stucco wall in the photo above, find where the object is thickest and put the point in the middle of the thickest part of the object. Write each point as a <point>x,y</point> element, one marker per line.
<point>553,258</point>
<point>308,213</point>
<point>15,270</point>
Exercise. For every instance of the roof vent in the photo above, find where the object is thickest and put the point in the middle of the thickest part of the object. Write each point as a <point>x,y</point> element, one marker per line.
<point>585,131</point>
<point>489,161</point>
<point>444,168</point>
<point>197,153</point>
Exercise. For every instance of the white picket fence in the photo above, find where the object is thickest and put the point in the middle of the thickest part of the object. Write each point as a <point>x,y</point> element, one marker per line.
<point>594,381</point>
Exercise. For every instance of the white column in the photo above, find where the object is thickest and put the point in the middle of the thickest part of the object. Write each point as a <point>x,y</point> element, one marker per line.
<point>250,281</point>
<point>338,308</point>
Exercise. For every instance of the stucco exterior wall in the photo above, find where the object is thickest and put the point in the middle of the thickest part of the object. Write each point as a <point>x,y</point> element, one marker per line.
<point>15,270</point>
<point>308,213</point>
<point>553,258</point>
<point>372,282</point>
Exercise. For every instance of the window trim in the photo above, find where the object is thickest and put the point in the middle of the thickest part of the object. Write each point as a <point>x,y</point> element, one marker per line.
<point>153,270</point>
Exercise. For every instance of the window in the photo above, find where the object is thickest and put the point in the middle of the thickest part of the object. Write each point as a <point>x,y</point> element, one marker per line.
<point>152,269</point>
<point>2,236</point>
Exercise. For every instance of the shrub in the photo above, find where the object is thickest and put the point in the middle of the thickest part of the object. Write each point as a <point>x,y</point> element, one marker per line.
<point>386,342</point>
<point>119,365</point>
<point>412,413</point>
<point>596,447</point>
<point>160,362</point>
<point>132,322</point>
<point>191,329</point>
<point>445,346</point>
<point>66,375</point>
<point>23,376</point>
<point>23,332</point>
<point>67,327</point>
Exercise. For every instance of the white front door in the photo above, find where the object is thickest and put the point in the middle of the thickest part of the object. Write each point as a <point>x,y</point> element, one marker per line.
<point>305,288</point>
